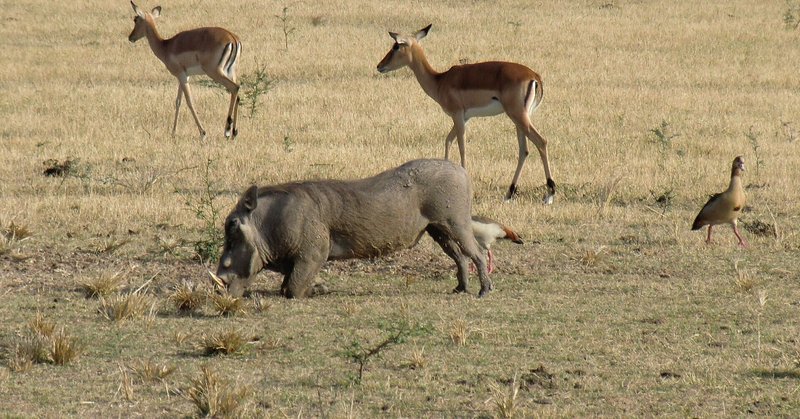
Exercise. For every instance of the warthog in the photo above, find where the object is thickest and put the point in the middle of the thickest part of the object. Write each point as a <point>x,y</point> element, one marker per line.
<point>295,227</point>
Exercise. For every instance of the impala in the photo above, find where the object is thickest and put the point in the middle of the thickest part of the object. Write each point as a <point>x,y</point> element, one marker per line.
<point>210,51</point>
<point>472,90</point>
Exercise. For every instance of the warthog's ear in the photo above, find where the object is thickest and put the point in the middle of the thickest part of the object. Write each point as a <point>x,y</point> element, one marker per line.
<point>250,198</point>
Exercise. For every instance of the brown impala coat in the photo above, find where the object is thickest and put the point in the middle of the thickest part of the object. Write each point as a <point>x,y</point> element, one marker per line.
<point>210,51</point>
<point>473,90</point>
<point>294,228</point>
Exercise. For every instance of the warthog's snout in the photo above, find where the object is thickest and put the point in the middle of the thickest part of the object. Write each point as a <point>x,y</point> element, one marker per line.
<point>230,282</point>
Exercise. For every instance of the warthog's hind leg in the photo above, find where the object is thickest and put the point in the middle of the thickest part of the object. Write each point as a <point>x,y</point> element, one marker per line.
<point>452,249</point>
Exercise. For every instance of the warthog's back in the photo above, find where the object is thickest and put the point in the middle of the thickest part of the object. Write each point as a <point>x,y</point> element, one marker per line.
<point>383,213</point>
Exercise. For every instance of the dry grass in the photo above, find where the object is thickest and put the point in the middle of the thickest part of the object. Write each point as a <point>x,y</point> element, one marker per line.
<point>504,400</point>
<point>103,284</point>
<point>460,332</point>
<point>227,305</point>
<point>120,307</point>
<point>187,297</point>
<point>645,104</point>
<point>213,396</point>
<point>42,343</point>
<point>225,342</point>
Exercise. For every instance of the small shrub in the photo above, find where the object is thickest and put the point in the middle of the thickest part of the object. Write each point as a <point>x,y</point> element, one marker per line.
<point>287,29</point>
<point>207,212</point>
<point>254,86</point>
<point>398,332</point>
<point>215,397</point>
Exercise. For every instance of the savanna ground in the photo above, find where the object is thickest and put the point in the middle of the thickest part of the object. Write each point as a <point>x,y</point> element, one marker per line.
<point>612,307</point>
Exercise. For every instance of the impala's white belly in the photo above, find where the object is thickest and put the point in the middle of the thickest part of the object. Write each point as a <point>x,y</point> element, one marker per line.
<point>493,108</point>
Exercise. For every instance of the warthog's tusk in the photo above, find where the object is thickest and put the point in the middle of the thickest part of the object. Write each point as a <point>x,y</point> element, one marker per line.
<point>217,280</point>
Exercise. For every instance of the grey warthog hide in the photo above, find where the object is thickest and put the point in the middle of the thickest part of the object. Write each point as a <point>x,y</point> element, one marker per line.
<point>295,227</point>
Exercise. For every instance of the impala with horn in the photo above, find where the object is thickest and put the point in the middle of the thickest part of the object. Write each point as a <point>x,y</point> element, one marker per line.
<point>473,90</point>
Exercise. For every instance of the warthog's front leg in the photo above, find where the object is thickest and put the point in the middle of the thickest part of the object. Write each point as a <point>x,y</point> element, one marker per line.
<point>297,284</point>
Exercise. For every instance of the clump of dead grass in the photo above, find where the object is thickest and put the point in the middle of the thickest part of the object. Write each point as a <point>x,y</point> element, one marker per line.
<point>226,342</point>
<point>416,359</point>
<point>150,371</point>
<point>459,333</point>
<point>42,343</point>
<point>216,397</point>
<point>126,306</point>
<point>187,297</point>
<point>505,400</point>
<point>102,285</point>
<point>226,304</point>
<point>15,232</point>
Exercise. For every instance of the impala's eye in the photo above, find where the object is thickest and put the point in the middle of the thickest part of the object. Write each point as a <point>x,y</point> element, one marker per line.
<point>395,47</point>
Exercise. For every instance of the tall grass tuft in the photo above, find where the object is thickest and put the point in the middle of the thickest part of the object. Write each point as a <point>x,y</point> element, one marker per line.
<point>226,304</point>
<point>187,297</point>
<point>41,343</point>
<point>103,285</point>
<point>505,400</point>
<point>223,343</point>
<point>125,306</point>
<point>216,397</point>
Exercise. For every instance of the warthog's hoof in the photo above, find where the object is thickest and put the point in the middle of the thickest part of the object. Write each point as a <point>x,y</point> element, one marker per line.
<point>459,289</point>
<point>484,292</point>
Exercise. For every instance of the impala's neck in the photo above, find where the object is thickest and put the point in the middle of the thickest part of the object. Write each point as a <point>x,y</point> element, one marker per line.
<point>157,43</point>
<point>426,75</point>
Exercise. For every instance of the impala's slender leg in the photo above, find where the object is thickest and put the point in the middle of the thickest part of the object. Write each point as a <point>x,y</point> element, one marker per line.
<point>708,237</point>
<point>233,88</point>
<point>460,126</point>
<point>183,79</point>
<point>523,122</point>
<point>523,154</point>
<point>177,108</point>
<point>448,141</point>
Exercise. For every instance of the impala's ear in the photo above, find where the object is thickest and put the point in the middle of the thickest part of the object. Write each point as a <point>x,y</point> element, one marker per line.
<point>156,12</point>
<point>394,35</point>
<point>136,9</point>
<point>250,198</point>
<point>423,32</point>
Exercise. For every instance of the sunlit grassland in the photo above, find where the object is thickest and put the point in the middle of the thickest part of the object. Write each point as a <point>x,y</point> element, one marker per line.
<point>625,310</point>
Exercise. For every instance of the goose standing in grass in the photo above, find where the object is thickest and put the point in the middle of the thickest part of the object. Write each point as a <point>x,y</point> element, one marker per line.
<point>487,231</point>
<point>725,207</point>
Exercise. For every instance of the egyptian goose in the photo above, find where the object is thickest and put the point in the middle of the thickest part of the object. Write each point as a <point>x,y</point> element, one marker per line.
<point>487,231</point>
<point>725,207</point>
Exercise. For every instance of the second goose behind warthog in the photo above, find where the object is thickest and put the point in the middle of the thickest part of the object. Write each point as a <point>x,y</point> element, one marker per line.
<point>294,228</point>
